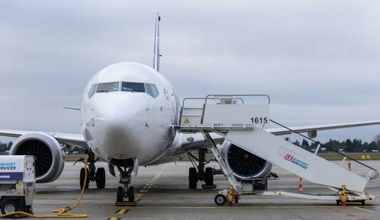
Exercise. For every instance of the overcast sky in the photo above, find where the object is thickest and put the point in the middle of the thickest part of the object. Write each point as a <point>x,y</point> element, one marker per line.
<point>318,60</point>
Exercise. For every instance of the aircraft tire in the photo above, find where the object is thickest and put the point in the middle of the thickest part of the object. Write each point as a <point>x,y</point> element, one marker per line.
<point>81,178</point>
<point>131,194</point>
<point>209,176</point>
<point>120,194</point>
<point>193,178</point>
<point>100,178</point>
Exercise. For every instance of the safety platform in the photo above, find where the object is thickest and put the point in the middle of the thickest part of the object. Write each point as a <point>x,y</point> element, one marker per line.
<point>241,120</point>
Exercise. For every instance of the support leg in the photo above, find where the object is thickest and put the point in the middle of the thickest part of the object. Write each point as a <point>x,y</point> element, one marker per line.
<point>125,192</point>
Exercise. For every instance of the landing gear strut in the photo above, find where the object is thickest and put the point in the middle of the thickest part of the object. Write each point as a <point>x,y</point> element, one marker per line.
<point>125,168</point>
<point>199,172</point>
<point>97,175</point>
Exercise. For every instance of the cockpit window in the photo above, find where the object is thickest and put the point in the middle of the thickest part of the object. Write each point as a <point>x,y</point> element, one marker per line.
<point>92,90</point>
<point>148,88</point>
<point>108,87</point>
<point>151,89</point>
<point>132,87</point>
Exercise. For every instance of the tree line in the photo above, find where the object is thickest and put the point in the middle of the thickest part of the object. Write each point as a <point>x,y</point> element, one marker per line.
<point>348,146</point>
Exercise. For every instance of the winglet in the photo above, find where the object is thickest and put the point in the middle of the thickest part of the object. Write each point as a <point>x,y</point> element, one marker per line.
<point>156,55</point>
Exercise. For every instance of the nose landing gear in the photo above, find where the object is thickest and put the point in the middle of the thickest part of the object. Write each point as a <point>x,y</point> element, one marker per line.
<point>127,192</point>
<point>125,168</point>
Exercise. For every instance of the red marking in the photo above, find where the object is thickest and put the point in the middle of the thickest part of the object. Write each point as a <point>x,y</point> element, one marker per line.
<point>350,215</point>
<point>288,157</point>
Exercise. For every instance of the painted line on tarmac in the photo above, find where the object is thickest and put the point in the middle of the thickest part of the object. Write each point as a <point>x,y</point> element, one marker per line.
<point>234,206</point>
<point>149,185</point>
<point>122,211</point>
<point>363,209</point>
<point>145,189</point>
<point>114,218</point>
<point>341,212</point>
<point>371,209</point>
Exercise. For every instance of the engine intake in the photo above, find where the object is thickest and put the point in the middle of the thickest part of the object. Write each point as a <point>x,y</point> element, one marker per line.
<point>243,164</point>
<point>49,158</point>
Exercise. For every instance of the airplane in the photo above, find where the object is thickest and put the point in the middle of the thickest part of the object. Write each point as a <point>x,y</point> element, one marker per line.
<point>129,115</point>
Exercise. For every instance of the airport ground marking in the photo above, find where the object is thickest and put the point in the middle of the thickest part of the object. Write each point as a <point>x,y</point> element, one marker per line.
<point>145,189</point>
<point>342,213</point>
<point>149,185</point>
<point>122,211</point>
<point>363,209</point>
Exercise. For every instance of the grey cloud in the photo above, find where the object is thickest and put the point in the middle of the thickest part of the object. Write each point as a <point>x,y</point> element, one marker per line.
<point>317,59</point>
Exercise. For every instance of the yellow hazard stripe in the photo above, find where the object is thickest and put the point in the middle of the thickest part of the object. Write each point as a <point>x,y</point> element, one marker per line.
<point>122,211</point>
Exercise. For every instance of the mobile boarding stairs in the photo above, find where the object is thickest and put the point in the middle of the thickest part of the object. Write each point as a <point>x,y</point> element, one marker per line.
<point>241,120</point>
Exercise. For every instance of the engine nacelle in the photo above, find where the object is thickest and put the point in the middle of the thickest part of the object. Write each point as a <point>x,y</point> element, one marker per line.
<point>49,157</point>
<point>243,164</point>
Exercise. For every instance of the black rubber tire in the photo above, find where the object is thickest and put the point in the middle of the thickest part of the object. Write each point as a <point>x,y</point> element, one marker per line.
<point>209,176</point>
<point>193,178</point>
<point>81,178</point>
<point>220,199</point>
<point>100,178</point>
<point>363,202</point>
<point>8,206</point>
<point>131,194</point>
<point>120,194</point>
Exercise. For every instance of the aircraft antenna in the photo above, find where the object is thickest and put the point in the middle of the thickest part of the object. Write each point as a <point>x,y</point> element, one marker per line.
<point>156,55</point>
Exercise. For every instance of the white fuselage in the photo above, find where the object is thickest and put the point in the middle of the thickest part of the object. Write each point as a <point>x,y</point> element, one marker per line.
<point>128,111</point>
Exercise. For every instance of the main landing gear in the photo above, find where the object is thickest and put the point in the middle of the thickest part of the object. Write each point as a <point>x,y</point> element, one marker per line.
<point>97,175</point>
<point>125,168</point>
<point>199,172</point>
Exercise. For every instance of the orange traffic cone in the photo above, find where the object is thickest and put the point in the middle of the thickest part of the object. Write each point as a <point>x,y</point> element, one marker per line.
<point>300,185</point>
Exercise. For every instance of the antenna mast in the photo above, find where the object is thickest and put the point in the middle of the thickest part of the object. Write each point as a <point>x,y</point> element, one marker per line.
<point>156,55</point>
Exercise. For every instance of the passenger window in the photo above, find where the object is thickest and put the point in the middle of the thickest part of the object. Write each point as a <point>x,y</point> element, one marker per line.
<point>132,87</point>
<point>92,91</point>
<point>108,87</point>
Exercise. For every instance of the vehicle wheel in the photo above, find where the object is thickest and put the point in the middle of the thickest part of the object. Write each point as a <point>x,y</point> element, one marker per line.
<point>193,178</point>
<point>209,177</point>
<point>100,178</point>
<point>337,202</point>
<point>220,199</point>
<point>363,202</point>
<point>131,194</point>
<point>81,178</point>
<point>8,206</point>
<point>120,194</point>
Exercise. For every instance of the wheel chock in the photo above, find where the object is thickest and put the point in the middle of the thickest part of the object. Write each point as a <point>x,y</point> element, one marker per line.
<point>126,203</point>
<point>204,186</point>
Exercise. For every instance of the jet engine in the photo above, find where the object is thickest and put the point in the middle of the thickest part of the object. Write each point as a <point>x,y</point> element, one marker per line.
<point>49,157</point>
<point>243,164</point>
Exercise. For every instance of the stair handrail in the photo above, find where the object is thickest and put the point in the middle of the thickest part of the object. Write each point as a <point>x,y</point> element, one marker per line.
<point>376,172</point>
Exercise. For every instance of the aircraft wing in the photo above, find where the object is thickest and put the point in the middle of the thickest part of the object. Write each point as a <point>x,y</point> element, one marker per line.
<point>70,139</point>
<point>315,128</point>
<point>196,140</point>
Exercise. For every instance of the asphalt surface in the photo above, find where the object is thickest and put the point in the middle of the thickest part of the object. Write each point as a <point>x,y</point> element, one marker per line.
<point>163,193</point>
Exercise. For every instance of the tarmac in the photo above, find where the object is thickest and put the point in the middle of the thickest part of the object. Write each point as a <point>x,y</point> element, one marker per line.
<point>163,193</point>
